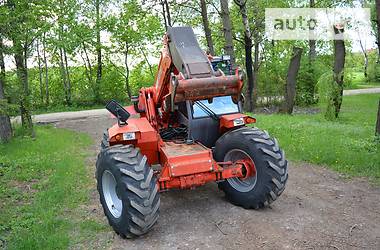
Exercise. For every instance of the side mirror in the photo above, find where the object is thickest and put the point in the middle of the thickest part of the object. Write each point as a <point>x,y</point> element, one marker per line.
<point>118,111</point>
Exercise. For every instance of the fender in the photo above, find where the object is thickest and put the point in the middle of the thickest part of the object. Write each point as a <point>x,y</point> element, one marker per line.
<point>138,132</point>
<point>227,122</point>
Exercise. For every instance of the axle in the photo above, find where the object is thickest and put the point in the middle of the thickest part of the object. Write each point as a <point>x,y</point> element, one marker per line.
<point>240,169</point>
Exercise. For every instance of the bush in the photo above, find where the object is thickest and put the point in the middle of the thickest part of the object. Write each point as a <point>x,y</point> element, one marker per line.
<point>373,71</point>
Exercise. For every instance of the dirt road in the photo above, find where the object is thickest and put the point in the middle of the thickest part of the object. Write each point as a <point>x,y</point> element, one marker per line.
<point>361,91</point>
<point>318,210</point>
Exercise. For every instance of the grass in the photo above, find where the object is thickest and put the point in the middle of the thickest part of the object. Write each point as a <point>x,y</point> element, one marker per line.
<point>358,81</point>
<point>43,182</point>
<point>347,145</point>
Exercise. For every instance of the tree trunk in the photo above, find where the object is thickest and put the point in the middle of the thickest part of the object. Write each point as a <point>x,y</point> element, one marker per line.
<point>98,52</point>
<point>5,123</point>
<point>378,29</point>
<point>291,80</point>
<point>339,60</point>
<point>248,53</point>
<point>365,65</point>
<point>164,14</point>
<point>88,67</point>
<point>227,31</point>
<point>86,70</point>
<point>311,81</point>
<point>22,75</point>
<point>40,72</point>
<point>128,88</point>
<point>63,75</point>
<point>312,43</point>
<point>365,58</point>
<point>377,131</point>
<point>67,77</point>
<point>20,55</point>
<point>206,27</point>
<point>168,16</point>
<point>256,66</point>
<point>47,97</point>
<point>312,51</point>
<point>147,62</point>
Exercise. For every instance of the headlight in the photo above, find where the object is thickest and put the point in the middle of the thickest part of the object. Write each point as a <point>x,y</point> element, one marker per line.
<point>129,136</point>
<point>239,122</point>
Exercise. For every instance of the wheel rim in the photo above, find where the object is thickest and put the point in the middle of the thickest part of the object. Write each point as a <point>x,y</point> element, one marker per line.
<point>240,184</point>
<point>114,204</point>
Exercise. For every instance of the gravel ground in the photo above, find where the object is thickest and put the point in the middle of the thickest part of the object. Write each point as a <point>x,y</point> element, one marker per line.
<point>318,210</point>
<point>361,91</point>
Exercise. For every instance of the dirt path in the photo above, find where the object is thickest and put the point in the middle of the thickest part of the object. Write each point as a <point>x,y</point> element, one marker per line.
<point>361,91</point>
<point>318,210</point>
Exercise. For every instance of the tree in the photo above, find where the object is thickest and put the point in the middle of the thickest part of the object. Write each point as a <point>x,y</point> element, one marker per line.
<point>24,24</point>
<point>206,27</point>
<point>94,18</point>
<point>339,61</point>
<point>311,81</point>
<point>167,11</point>
<point>40,72</point>
<point>366,59</point>
<point>248,52</point>
<point>227,31</point>
<point>291,80</point>
<point>312,42</point>
<point>47,95</point>
<point>378,29</point>
<point>5,123</point>
<point>99,66</point>
<point>63,41</point>
<point>132,30</point>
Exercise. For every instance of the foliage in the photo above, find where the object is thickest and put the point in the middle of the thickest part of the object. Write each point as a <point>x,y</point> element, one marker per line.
<point>346,144</point>
<point>373,68</point>
<point>328,89</point>
<point>112,87</point>
<point>131,33</point>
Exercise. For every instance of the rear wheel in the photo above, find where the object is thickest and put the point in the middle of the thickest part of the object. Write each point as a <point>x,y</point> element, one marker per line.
<point>128,190</point>
<point>268,171</point>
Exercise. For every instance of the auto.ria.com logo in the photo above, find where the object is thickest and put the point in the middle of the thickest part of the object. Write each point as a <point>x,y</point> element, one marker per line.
<point>317,24</point>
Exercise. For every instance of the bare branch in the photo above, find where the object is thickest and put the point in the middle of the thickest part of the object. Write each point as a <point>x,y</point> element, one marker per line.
<point>215,7</point>
<point>239,40</point>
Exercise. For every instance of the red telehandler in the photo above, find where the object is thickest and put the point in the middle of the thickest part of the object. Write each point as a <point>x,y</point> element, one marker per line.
<point>186,130</point>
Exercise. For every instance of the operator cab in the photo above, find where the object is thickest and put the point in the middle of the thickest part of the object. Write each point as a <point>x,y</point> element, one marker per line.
<point>203,121</point>
<point>222,63</point>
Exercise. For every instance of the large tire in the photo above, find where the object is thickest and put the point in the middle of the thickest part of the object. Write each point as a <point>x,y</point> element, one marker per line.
<point>128,190</point>
<point>271,167</point>
<point>105,140</point>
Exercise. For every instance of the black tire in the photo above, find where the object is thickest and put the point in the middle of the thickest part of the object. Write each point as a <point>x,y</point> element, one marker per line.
<point>105,140</point>
<point>270,163</point>
<point>136,187</point>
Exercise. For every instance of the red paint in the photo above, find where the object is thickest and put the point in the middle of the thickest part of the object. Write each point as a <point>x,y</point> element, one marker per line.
<point>182,165</point>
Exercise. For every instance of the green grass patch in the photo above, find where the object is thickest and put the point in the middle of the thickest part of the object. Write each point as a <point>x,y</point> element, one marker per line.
<point>43,182</point>
<point>347,144</point>
<point>358,81</point>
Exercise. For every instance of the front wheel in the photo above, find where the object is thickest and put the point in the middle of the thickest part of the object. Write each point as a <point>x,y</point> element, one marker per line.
<point>128,190</point>
<point>268,170</point>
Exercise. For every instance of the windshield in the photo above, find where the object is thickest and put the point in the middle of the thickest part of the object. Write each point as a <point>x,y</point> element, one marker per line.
<point>220,106</point>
